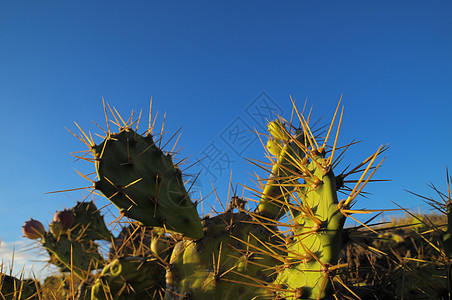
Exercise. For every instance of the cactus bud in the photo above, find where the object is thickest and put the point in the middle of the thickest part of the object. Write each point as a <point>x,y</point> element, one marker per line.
<point>274,147</point>
<point>277,130</point>
<point>62,221</point>
<point>65,218</point>
<point>33,229</point>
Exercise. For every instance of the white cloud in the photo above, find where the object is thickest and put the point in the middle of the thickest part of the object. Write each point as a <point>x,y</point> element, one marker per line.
<point>25,257</point>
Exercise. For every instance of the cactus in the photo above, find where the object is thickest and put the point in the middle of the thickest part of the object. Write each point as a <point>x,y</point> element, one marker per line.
<point>89,223</point>
<point>144,183</point>
<point>291,245</point>
<point>318,236</point>
<point>70,240</point>
<point>130,278</point>
<point>77,256</point>
<point>138,256</point>
<point>283,174</point>
<point>217,266</point>
<point>288,247</point>
<point>12,288</point>
<point>62,221</point>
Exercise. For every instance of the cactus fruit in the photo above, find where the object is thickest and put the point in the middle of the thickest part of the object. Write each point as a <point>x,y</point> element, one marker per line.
<point>33,229</point>
<point>65,218</point>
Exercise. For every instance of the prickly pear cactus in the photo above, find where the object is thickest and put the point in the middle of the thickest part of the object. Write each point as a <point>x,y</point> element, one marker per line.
<point>317,233</point>
<point>283,177</point>
<point>71,238</point>
<point>143,182</point>
<point>12,288</point>
<point>88,223</point>
<point>286,248</point>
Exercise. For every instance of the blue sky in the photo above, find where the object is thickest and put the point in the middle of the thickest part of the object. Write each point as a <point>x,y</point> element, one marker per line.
<point>207,65</point>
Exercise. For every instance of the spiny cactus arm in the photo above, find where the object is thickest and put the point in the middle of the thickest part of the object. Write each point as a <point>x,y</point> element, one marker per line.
<point>77,256</point>
<point>88,223</point>
<point>144,184</point>
<point>71,244</point>
<point>12,288</point>
<point>283,175</point>
<point>318,237</point>
<point>140,180</point>
<point>316,219</point>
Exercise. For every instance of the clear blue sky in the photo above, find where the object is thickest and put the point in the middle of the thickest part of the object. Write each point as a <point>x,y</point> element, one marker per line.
<point>205,63</point>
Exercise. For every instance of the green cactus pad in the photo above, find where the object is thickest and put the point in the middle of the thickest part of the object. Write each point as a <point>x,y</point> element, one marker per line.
<point>318,238</point>
<point>88,222</point>
<point>77,256</point>
<point>283,175</point>
<point>144,183</point>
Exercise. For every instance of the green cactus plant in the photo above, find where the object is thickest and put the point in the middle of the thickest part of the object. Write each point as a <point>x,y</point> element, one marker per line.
<point>70,240</point>
<point>138,258</point>
<point>288,247</point>
<point>144,183</point>
<point>12,288</point>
